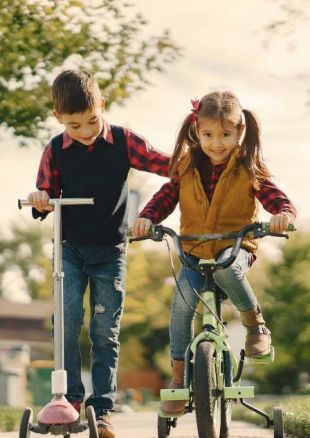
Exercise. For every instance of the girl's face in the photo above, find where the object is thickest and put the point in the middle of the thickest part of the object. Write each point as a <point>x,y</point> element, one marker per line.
<point>217,139</point>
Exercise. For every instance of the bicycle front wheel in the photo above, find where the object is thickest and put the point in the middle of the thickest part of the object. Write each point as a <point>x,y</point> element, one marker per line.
<point>206,391</point>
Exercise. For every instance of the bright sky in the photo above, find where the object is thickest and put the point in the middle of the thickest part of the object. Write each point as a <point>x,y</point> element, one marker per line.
<point>223,49</point>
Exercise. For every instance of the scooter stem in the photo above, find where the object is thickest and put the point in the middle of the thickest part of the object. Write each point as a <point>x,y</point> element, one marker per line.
<point>58,276</point>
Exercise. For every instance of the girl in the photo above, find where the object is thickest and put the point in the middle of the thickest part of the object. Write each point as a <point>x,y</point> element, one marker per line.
<point>217,177</point>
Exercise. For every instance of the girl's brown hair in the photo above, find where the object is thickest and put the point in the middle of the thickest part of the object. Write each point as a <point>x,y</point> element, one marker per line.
<point>223,106</point>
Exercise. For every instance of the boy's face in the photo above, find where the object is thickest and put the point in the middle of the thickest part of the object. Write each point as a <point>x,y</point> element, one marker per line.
<point>84,127</point>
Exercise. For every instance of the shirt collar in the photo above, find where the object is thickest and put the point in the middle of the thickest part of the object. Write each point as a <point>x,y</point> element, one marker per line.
<point>106,134</point>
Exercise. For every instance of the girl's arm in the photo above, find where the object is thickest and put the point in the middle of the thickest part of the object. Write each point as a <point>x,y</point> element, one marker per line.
<point>278,204</point>
<point>159,207</point>
<point>142,155</point>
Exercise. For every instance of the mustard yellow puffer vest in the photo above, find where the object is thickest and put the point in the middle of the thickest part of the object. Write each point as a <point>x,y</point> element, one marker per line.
<point>232,207</point>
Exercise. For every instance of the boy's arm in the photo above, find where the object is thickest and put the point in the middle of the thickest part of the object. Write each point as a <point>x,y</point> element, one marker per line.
<point>163,202</point>
<point>48,179</point>
<point>278,204</point>
<point>142,155</point>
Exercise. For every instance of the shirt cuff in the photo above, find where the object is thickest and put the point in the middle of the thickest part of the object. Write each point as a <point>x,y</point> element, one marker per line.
<point>37,214</point>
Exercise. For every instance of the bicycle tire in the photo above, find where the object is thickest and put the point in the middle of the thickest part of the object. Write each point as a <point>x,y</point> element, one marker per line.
<point>226,404</point>
<point>163,427</point>
<point>225,417</point>
<point>278,424</point>
<point>25,423</point>
<point>207,402</point>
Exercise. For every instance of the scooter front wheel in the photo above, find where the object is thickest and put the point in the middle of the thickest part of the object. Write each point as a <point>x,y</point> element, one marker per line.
<point>92,424</point>
<point>25,423</point>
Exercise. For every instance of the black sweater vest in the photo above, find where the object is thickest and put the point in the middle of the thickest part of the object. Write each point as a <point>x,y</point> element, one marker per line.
<point>102,174</point>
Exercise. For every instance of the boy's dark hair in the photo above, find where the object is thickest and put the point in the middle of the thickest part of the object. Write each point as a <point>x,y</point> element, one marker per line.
<point>74,91</point>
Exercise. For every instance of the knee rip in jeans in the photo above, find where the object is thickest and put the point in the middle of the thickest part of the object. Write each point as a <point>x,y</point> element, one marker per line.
<point>118,285</point>
<point>99,308</point>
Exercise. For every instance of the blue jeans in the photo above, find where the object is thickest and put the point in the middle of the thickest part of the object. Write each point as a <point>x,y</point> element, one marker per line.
<point>104,269</point>
<point>233,282</point>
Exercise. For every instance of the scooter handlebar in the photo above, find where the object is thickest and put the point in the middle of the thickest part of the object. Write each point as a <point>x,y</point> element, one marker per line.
<point>61,201</point>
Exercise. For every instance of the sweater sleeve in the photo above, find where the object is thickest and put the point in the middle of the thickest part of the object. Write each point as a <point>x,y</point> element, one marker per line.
<point>142,155</point>
<point>163,202</point>
<point>274,200</point>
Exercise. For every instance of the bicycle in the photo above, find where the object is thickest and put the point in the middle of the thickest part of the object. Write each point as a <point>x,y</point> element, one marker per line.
<point>212,376</point>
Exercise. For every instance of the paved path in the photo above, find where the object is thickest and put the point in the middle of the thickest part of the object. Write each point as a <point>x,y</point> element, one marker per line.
<point>144,425</point>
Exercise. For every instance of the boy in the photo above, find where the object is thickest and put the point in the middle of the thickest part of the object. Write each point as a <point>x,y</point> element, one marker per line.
<point>92,159</point>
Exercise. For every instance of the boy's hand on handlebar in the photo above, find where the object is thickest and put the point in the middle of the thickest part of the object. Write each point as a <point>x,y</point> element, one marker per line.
<point>279,223</point>
<point>39,200</point>
<point>142,227</point>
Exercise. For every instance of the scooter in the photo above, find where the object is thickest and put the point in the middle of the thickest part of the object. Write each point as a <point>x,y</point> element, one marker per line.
<point>58,417</point>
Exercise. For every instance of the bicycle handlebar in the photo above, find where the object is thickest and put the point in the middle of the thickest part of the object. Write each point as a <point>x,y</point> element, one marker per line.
<point>256,230</point>
<point>62,201</point>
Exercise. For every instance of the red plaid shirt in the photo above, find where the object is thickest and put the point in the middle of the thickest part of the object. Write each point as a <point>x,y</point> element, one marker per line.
<point>165,200</point>
<point>142,156</point>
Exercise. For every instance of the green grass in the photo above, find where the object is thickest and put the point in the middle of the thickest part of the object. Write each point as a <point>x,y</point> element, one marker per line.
<point>296,414</point>
<point>10,417</point>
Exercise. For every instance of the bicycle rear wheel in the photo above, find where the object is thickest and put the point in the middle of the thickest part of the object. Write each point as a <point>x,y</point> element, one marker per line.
<point>206,394</point>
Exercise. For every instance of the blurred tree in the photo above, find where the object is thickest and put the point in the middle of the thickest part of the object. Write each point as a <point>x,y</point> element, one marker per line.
<point>102,36</point>
<point>293,15</point>
<point>291,28</point>
<point>286,304</point>
<point>22,254</point>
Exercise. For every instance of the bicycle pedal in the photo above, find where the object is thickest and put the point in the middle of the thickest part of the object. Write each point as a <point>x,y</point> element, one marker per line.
<point>263,359</point>
<point>235,392</point>
<point>174,394</point>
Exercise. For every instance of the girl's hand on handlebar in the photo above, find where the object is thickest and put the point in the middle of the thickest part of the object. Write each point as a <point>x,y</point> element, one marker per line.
<point>279,222</point>
<point>142,227</point>
<point>39,200</point>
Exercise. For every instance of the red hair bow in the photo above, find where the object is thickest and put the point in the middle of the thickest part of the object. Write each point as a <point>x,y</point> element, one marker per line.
<point>194,110</point>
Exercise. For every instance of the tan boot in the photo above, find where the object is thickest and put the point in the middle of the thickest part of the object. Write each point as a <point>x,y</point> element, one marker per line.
<point>104,426</point>
<point>177,382</point>
<point>258,338</point>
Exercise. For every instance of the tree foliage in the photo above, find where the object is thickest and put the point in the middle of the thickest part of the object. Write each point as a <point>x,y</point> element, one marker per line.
<point>21,253</point>
<point>291,28</point>
<point>286,307</point>
<point>103,36</point>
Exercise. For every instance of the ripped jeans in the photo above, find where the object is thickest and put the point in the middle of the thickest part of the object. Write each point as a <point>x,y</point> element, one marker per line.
<point>103,268</point>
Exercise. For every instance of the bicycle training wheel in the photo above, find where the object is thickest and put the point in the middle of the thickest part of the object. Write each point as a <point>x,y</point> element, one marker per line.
<point>206,395</point>
<point>163,427</point>
<point>278,424</point>
<point>25,423</point>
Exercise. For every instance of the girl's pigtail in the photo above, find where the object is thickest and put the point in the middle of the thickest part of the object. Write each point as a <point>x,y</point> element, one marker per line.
<point>250,150</point>
<point>184,137</point>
